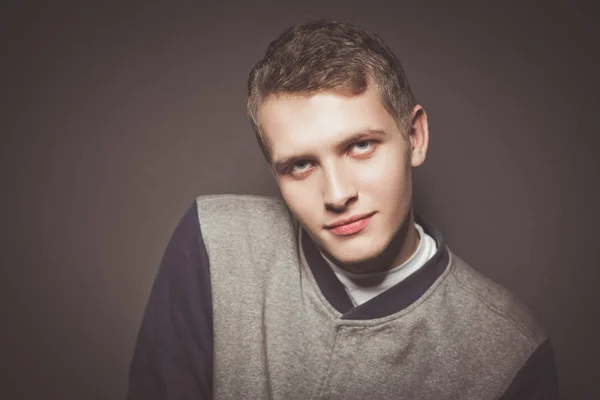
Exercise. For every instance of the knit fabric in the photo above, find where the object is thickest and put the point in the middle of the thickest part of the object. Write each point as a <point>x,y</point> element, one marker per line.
<point>281,333</point>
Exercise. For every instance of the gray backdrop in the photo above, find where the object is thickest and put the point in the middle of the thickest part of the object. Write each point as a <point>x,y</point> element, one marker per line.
<point>115,117</point>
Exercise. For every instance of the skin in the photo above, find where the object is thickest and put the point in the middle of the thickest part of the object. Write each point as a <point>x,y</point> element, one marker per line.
<point>335,156</point>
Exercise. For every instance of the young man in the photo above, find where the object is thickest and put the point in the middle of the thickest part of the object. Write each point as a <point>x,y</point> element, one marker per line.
<point>336,292</point>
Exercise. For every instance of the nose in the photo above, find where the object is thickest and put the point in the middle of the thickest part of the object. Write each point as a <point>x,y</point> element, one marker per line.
<point>340,191</point>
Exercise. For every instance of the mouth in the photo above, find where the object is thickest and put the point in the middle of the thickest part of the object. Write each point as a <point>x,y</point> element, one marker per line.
<point>351,225</point>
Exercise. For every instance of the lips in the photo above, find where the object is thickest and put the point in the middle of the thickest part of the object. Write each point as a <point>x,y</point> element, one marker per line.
<point>351,225</point>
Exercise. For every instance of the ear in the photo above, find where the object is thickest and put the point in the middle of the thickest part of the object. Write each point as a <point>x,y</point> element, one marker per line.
<point>419,136</point>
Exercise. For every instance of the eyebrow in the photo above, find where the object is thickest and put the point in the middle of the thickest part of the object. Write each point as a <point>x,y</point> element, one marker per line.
<point>281,163</point>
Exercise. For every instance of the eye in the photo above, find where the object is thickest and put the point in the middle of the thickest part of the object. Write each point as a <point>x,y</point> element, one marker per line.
<point>299,167</point>
<point>363,147</point>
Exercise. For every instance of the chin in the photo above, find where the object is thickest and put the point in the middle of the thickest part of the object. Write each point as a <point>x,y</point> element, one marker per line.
<point>356,253</point>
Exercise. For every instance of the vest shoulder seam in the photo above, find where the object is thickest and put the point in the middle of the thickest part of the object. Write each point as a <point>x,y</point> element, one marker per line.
<point>498,311</point>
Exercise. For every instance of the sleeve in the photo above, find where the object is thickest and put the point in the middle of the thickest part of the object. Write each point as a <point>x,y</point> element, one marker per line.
<point>537,379</point>
<point>173,354</point>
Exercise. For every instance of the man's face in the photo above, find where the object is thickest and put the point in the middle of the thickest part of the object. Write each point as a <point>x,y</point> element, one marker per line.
<point>337,157</point>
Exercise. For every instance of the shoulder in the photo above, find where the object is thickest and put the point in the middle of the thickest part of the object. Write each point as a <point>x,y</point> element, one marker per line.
<point>244,207</point>
<point>504,309</point>
<point>490,323</point>
<point>232,220</point>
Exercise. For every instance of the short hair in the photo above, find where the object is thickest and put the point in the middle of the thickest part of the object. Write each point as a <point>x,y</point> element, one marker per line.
<point>324,54</point>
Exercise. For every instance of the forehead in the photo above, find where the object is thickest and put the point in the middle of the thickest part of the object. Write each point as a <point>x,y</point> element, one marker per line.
<point>293,124</point>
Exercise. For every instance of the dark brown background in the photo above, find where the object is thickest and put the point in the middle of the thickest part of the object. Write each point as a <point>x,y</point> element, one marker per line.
<point>114,117</point>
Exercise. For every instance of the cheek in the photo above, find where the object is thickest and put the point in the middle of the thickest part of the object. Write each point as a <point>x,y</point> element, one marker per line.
<point>301,201</point>
<point>386,178</point>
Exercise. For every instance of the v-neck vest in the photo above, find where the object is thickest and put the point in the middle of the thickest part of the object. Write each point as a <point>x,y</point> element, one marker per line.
<point>285,328</point>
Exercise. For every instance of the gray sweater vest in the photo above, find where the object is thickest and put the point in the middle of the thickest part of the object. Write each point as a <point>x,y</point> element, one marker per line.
<point>276,336</point>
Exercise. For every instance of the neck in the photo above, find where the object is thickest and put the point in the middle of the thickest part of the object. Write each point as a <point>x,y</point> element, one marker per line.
<point>403,245</point>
